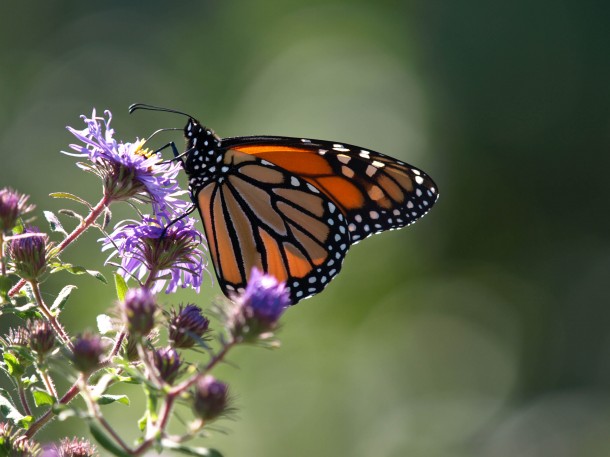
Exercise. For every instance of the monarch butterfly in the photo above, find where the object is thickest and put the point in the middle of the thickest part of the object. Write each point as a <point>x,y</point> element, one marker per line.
<point>293,206</point>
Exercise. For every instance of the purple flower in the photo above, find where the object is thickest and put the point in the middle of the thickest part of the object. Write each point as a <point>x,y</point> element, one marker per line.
<point>42,337</point>
<point>258,309</point>
<point>187,326</point>
<point>152,246</point>
<point>211,398</point>
<point>127,169</point>
<point>88,352</point>
<point>13,205</point>
<point>27,252</point>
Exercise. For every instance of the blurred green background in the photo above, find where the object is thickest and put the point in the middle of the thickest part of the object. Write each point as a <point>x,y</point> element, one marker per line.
<point>483,330</point>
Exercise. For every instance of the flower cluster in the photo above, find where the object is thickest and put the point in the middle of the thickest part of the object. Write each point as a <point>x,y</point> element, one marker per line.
<point>145,343</point>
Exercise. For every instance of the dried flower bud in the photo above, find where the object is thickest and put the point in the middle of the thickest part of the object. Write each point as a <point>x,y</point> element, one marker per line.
<point>210,398</point>
<point>187,326</point>
<point>259,307</point>
<point>76,447</point>
<point>17,342</point>
<point>88,352</point>
<point>42,337</point>
<point>139,309</point>
<point>13,205</point>
<point>167,361</point>
<point>14,444</point>
<point>28,254</point>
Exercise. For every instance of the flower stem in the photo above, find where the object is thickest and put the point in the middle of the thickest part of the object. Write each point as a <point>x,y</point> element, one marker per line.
<point>59,330</point>
<point>48,382</point>
<point>24,401</point>
<point>87,222</point>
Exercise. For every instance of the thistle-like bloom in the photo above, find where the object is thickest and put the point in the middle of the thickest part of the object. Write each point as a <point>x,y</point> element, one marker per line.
<point>27,252</point>
<point>88,352</point>
<point>258,309</point>
<point>127,169</point>
<point>75,447</point>
<point>14,444</point>
<point>153,245</point>
<point>168,363</point>
<point>138,310</point>
<point>187,326</point>
<point>42,337</point>
<point>211,398</point>
<point>13,205</point>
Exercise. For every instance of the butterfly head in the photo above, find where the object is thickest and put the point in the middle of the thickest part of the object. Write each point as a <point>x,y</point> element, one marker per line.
<point>203,153</point>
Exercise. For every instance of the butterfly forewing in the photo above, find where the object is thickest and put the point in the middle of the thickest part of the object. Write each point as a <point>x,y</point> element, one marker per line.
<point>375,192</point>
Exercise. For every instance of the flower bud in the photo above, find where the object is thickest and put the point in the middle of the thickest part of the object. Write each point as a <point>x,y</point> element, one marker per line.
<point>13,205</point>
<point>259,307</point>
<point>75,447</point>
<point>139,309</point>
<point>210,398</point>
<point>17,342</point>
<point>14,444</point>
<point>187,326</point>
<point>88,352</point>
<point>167,361</point>
<point>28,254</point>
<point>42,338</point>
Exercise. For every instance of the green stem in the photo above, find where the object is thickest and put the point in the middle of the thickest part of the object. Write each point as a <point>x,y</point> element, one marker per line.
<point>59,330</point>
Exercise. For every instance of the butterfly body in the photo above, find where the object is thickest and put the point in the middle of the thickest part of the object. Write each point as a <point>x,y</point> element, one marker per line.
<point>292,207</point>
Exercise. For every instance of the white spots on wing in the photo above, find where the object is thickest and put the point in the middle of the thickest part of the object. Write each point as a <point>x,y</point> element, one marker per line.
<point>409,204</point>
<point>343,158</point>
<point>312,188</point>
<point>418,192</point>
<point>266,163</point>
<point>295,181</point>
<point>378,164</point>
<point>396,212</point>
<point>322,151</point>
<point>358,218</point>
<point>224,169</point>
<point>365,154</point>
<point>351,227</point>
<point>332,209</point>
<point>340,148</point>
<point>419,179</point>
<point>304,140</point>
<point>416,171</point>
<point>374,215</point>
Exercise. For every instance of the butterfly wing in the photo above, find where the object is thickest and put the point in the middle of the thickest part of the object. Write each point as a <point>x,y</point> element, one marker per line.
<point>375,192</point>
<point>259,214</point>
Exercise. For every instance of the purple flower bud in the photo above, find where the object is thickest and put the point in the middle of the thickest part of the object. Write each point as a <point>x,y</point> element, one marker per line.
<point>13,205</point>
<point>28,254</point>
<point>211,398</point>
<point>167,361</point>
<point>88,352</point>
<point>14,444</point>
<point>187,326</point>
<point>259,307</point>
<point>42,337</point>
<point>138,310</point>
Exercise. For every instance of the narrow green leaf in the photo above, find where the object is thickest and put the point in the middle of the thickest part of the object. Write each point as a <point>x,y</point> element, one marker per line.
<point>104,441</point>
<point>54,222</point>
<point>42,398</point>
<point>190,450</point>
<point>107,399</point>
<point>77,270</point>
<point>13,365</point>
<point>121,286</point>
<point>70,196</point>
<point>70,213</point>
<point>27,311</point>
<point>62,298</point>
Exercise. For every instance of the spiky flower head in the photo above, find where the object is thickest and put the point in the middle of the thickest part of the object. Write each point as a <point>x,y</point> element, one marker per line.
<point>128,170</point>
<point>187,326</point>
<point>258,309</point>
<point>88,352</point>
<point>153,245</point>
<point>42,337</point>
<point>211,398</point>
<point>16,343</point>
<point>168,363</point>
<point>13,205</point>
<point>28,254</point>
<point>138,310</point>
<point>14,444</point>
<point>75,447</point>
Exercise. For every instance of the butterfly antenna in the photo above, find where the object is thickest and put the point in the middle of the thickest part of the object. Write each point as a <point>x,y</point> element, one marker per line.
<point>161,130</point>
<point>144,106</point>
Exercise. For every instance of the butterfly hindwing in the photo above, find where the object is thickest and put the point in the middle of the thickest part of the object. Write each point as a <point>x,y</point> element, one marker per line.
<point>258,214</point>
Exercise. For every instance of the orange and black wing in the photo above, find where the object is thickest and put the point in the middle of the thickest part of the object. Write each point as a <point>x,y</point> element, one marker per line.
<point>259,214</point>
<point>374,192</point>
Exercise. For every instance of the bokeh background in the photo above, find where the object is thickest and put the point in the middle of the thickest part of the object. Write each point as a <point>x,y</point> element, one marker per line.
<point>483,330</point>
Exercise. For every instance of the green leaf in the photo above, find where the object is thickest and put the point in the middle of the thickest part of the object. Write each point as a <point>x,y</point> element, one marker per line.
<point>105,441</point>
<point>77,270</point>
<point>70,196</point>
<point>54,222</point>
<point>70,213</point>
<point>13,365</point>
<point>107,399</point>
<point>27,311</point>
<point>42,398</point>
<point>62,298</point>
<point>121,286</point>
<point>190,450</point>
<point>8,411</point>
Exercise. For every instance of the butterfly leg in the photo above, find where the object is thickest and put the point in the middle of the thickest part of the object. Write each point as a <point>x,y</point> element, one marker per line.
<point>186,213</point>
